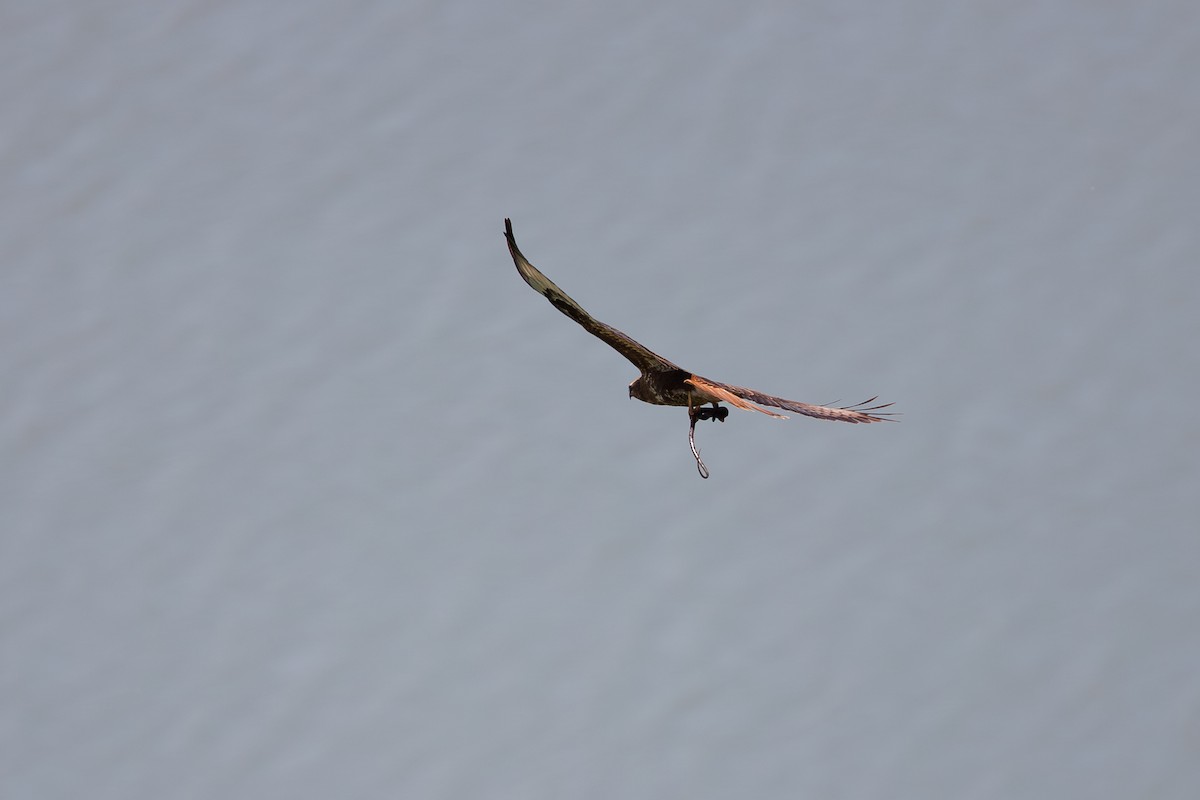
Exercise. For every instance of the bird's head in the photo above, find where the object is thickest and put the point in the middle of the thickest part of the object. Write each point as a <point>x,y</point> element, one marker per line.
<point>635,388</point>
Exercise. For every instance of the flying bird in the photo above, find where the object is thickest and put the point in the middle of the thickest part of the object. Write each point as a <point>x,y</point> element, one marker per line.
<point>666,384</point>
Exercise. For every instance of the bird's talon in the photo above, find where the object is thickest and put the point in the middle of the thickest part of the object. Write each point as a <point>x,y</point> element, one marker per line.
<point>719,413</point>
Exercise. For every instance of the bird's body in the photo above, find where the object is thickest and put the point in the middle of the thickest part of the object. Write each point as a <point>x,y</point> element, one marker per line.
<point>666,388</point>
<point>664,383</point>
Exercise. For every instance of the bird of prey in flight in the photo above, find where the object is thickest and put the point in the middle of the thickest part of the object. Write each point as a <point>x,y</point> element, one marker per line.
<point>666,384</point>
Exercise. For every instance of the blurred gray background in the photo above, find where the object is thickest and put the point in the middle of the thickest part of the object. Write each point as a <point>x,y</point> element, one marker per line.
<point>306,494</point>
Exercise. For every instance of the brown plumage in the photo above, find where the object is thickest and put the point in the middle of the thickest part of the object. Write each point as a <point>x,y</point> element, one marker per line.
<point>664,383</point>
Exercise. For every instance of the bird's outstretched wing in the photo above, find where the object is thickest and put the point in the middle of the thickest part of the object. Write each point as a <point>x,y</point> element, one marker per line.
<point>738,395</point>
<point>643,358</point>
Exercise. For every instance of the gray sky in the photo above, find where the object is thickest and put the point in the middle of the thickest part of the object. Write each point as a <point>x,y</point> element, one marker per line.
<point>306,494</point>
